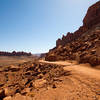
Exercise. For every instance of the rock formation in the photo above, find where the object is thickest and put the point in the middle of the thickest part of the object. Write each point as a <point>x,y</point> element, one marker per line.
<point>92,18</point>
<point>82,45</point>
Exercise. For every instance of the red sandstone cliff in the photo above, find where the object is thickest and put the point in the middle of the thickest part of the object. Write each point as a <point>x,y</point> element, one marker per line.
<point>92,18</point>
<point>93,15</point>
<point>82,45</point>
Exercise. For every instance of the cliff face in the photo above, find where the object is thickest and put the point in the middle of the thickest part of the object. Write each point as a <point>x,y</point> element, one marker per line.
<point>92,18</point>
<point>82,45</point>
<point>93,15</point>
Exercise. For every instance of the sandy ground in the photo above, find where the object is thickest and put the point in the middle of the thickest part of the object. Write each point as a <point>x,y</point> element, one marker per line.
<point>82,84</point>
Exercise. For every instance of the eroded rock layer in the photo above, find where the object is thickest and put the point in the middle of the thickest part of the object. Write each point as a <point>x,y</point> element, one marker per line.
<point>82,45</point>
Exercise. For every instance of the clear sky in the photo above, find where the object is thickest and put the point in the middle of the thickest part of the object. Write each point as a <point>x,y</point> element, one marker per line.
<point>35,25</point>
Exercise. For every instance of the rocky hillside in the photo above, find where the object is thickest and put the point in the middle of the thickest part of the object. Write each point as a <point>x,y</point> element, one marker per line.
<point>82,45</point>
<point>91,19</point>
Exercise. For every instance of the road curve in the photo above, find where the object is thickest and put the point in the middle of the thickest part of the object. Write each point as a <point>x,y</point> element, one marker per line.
<point>82,84</point>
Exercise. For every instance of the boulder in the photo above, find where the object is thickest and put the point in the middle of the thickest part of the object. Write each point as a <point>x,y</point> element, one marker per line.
<point>39,83</point>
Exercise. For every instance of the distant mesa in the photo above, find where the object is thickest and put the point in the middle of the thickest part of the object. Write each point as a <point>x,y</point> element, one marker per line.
<point>14,53</point>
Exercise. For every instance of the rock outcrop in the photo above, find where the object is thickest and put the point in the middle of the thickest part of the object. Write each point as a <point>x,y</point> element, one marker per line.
<point>27,78</point>
<point>92,18</point>
<point>82,45</point>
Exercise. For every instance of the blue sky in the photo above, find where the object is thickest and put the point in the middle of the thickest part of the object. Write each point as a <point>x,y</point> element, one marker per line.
<point>35,25</point>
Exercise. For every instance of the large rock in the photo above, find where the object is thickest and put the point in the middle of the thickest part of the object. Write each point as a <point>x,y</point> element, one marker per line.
<point>39,83</point>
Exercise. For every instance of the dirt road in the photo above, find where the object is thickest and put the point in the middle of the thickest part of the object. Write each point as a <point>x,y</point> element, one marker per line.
<point>83,83</point>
